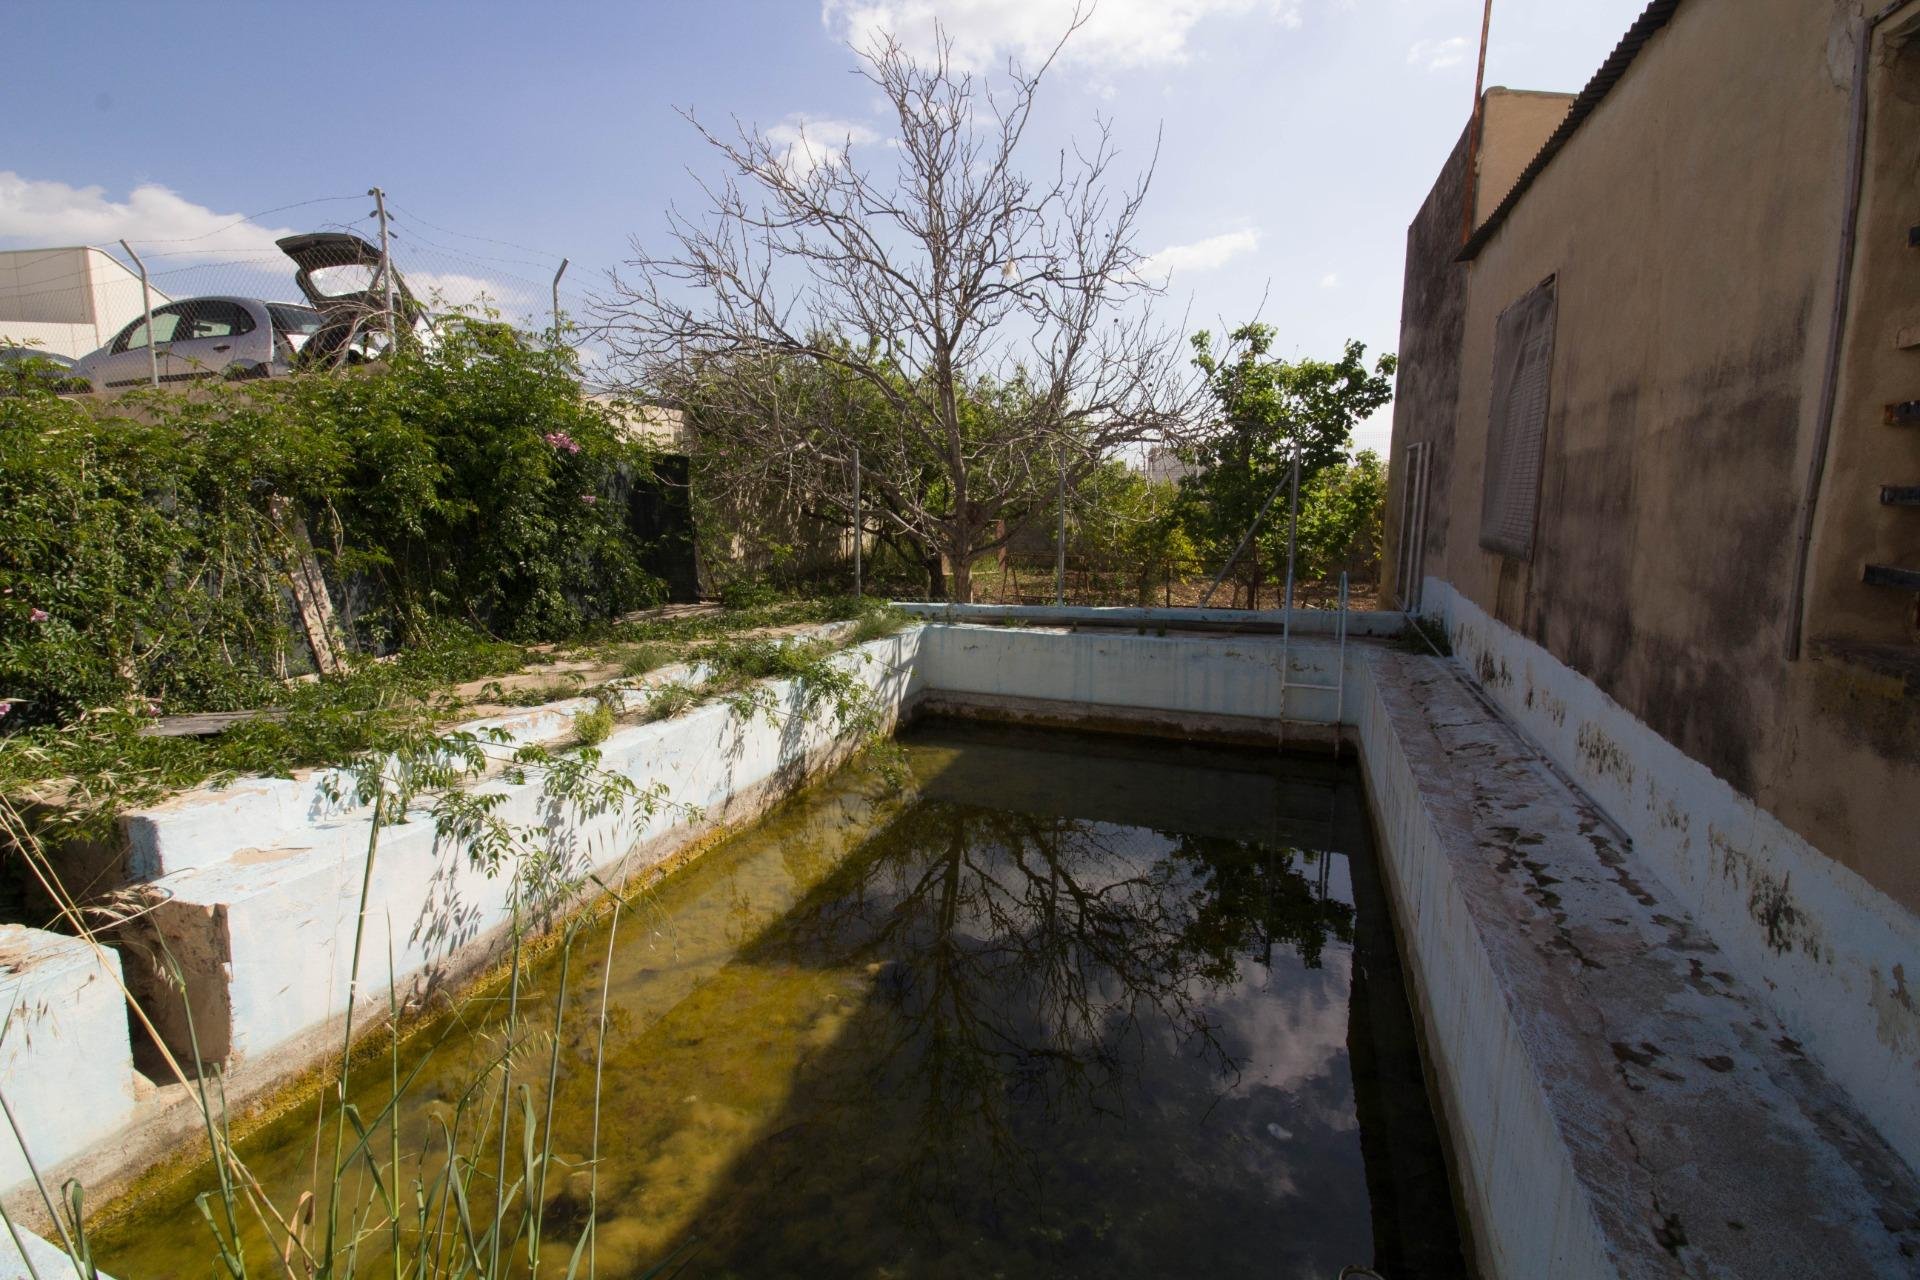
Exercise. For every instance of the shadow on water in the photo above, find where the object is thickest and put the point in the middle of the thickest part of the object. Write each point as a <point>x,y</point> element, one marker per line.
<point>1072,1006</point>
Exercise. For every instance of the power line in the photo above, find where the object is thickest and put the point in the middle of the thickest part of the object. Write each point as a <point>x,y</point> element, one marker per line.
<point>246,218</point>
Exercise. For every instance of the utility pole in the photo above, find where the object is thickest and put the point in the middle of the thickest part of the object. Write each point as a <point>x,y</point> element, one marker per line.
<point>386,266</point>
<point>556,300</point>
<point>1474,126</point>
<point>859,533</point>
<point>146,308</point>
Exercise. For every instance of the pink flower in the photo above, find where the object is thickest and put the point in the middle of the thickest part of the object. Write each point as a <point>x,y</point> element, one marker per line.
<point>38,615</point>
<point>588,499</point>
<point>5,707</point>
<point>153,708</point>
<point>561,441</point>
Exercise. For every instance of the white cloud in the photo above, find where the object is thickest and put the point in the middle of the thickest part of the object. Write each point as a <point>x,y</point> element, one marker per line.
<point>813,143</point>
<point>1437,54</point>
<point>1331,280</point>
<point>1204,255</point>
<point>442,289</point>
<point>36,214</point>
<point>1119,34</point>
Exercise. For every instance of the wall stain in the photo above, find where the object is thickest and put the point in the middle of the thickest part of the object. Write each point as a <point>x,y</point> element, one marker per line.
<point>1605,756</point>
<point>1897,1015</point>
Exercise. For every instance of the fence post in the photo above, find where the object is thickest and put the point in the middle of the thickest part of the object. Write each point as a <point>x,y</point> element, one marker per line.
<point>859,534</point>
<point>146,308</point>
<point>1060,543</point>
<point>556,300</point>
<point>386,266</point>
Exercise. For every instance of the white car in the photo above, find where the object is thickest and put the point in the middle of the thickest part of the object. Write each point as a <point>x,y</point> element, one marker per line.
<point>203,338</point>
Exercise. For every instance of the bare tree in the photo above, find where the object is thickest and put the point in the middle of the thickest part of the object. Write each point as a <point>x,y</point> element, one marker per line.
<point>1000,321</point>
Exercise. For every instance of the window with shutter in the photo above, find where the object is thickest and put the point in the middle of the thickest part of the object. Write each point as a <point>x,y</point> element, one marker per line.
<point>1517,423</point>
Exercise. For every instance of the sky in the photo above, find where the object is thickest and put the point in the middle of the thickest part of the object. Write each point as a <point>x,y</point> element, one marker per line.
<point>1296,138</point>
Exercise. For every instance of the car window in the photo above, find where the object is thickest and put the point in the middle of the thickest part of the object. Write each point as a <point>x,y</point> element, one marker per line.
<point>288,318</point>
<point>165,321</point>
<point>343,279</point>
<point>211,318</point>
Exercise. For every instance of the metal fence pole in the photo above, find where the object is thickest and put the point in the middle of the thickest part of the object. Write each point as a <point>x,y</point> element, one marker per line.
<point>556,300</point>
<point>146,308</point>
<point>859,533</point>
<point>1060,544</point>
<point>386,265</point>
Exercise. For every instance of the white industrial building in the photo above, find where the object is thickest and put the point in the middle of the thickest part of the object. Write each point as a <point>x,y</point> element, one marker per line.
<point>66,301</point>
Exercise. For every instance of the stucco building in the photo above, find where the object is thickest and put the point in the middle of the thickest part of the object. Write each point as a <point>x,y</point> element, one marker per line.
<point>66,301</point>
<point>1656,455</point>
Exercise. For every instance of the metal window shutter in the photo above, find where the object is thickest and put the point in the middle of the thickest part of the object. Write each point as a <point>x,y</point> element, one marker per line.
<point>1517,423</point>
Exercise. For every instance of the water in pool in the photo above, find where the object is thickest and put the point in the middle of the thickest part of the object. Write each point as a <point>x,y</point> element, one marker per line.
<point>1065,1005</point>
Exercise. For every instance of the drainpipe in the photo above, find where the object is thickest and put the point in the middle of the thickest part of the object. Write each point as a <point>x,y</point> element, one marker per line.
<point>1837,321</point>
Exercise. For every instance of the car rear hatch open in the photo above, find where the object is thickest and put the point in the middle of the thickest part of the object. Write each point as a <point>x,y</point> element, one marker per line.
<point>340,274</point>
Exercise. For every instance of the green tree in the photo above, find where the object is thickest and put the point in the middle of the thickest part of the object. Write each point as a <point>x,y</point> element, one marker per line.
<point>1342,515</point>
<point>1262,406</point>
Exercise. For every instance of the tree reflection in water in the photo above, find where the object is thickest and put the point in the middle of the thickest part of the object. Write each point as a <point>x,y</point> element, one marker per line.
<point>1057,1005</point>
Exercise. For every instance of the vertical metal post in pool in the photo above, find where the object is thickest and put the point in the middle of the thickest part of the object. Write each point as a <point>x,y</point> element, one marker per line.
<point>859,534</point>
<point>1293,524</point>
<point>146,309</point>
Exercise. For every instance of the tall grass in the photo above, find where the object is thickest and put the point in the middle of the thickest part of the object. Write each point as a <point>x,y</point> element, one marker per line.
<point>467,1202</point>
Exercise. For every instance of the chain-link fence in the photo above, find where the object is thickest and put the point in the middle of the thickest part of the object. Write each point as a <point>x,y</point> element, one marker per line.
<point>73,301</point>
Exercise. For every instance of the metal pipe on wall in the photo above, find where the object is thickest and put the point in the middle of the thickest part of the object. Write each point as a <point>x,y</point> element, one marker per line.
<point>1837,324</point>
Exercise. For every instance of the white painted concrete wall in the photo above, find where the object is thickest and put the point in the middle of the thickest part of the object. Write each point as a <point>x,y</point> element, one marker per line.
<point>1306,622</point>
<point>1839,974</point>
<point>1178,675</point>
<point>289,912</point>
<point>43,1261</point>
<point>1529,1209</point>
<point>65,1063</point>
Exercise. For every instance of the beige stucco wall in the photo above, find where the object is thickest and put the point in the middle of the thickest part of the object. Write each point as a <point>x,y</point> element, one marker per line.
<point>1514,125</point>
<point>1513,128</point>
<point>69,301</point>
<point>1692,224</point>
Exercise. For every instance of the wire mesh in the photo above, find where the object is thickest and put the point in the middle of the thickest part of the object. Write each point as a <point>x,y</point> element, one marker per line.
<point>73,300</point>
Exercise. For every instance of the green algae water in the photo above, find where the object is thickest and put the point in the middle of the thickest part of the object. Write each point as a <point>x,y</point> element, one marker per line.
<point>1064,1005</point>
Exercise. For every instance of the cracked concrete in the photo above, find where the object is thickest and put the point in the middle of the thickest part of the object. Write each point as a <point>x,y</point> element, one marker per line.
<point>1689,1134</point>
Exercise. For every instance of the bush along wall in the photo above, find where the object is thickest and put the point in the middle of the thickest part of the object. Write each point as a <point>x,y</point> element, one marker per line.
<point>146,543</point>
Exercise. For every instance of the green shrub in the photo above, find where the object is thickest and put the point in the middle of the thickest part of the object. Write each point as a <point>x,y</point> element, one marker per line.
<point>593,726</point>
<point>145,542</point>
<point>748,593</point>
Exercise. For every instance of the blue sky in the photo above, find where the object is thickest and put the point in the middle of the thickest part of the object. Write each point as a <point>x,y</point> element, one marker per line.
<point>1298,137</point>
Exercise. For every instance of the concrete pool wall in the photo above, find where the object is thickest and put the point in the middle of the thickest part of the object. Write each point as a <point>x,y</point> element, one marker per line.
<point>1624,1092</point>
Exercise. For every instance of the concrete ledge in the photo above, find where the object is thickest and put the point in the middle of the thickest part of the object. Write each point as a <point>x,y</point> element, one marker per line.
<point>1621,1102</point>
<point>1834,956</point>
